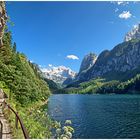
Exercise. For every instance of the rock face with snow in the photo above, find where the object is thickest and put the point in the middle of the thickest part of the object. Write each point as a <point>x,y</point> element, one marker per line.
<point>120,63</point>
<point>133,34</point>
<point>88,62</point>
<point>58,74</point>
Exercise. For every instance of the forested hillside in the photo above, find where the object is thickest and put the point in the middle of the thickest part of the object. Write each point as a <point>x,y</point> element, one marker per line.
<point>102,86</point>
<point>25,89</point>
<point>19,75</point>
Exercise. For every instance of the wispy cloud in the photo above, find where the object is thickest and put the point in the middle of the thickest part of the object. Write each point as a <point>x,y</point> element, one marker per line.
<point>74,57</point>
<point>125,15</point>
<point>123,3</point>
<point>119,2</point>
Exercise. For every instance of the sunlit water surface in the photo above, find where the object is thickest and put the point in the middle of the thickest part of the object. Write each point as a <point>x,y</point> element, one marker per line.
<point>98,116</point>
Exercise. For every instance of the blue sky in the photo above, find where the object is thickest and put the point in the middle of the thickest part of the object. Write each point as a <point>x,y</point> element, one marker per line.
<point>62,33</point>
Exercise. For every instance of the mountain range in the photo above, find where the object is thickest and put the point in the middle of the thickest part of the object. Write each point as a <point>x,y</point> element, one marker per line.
<point>58,74</point>
<point>120,63</point>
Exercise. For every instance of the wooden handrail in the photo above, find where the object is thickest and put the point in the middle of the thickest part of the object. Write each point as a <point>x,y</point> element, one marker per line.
<point>1,129</point>
<point>25,133</point>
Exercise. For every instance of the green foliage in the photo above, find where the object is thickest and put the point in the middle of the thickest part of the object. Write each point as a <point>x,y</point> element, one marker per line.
<point>52,85</point>
<point>37,123</point>
<point>27,92</point>
<point>86,87</point>
<point>19,76</point>
<point>129,86</point>
<point>25,88</point>
<point>101,86</point>
<point>63,132</point>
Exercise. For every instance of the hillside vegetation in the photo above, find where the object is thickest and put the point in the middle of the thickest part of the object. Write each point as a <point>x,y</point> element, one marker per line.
<point>102,86</point>
<point>19,75</point>
<point>25,89</point>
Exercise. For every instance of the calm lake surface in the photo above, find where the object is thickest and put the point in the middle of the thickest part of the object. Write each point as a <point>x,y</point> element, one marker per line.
<point>98,116</point>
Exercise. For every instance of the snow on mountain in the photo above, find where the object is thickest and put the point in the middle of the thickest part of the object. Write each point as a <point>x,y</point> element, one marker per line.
<point>133,34</point>
<point>58,74</point>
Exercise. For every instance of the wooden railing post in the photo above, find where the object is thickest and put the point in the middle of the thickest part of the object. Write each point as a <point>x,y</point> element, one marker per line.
<point>16,121</point>
<point>1,129</point>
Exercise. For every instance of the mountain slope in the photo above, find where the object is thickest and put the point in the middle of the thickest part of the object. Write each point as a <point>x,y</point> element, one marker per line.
<point>87,62</point>
<point>116,63</point>
<point>19,75</point>
<point>120,63</point>
<point>52,85</point>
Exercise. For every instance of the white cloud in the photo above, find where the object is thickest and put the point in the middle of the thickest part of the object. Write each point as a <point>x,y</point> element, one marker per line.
<point>125,15</point>
<point>74,57</point>
<point>122,2</point>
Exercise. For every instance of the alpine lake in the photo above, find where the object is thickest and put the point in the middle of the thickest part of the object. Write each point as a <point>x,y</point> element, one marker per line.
<point>98,116</point>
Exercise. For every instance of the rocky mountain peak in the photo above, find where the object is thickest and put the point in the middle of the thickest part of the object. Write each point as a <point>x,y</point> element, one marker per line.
<point>122,62</point>
<point>134,33</point>
<point>88,61</point>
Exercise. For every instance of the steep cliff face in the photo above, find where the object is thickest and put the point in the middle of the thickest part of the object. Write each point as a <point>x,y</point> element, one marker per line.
<point>3,18</point>
<point>123,58</point>
<point>120,63</point>
<point>133,34</point>
<point>88,62</point>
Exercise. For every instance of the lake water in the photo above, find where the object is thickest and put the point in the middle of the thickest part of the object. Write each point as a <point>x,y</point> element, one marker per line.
<point>98,116</point>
